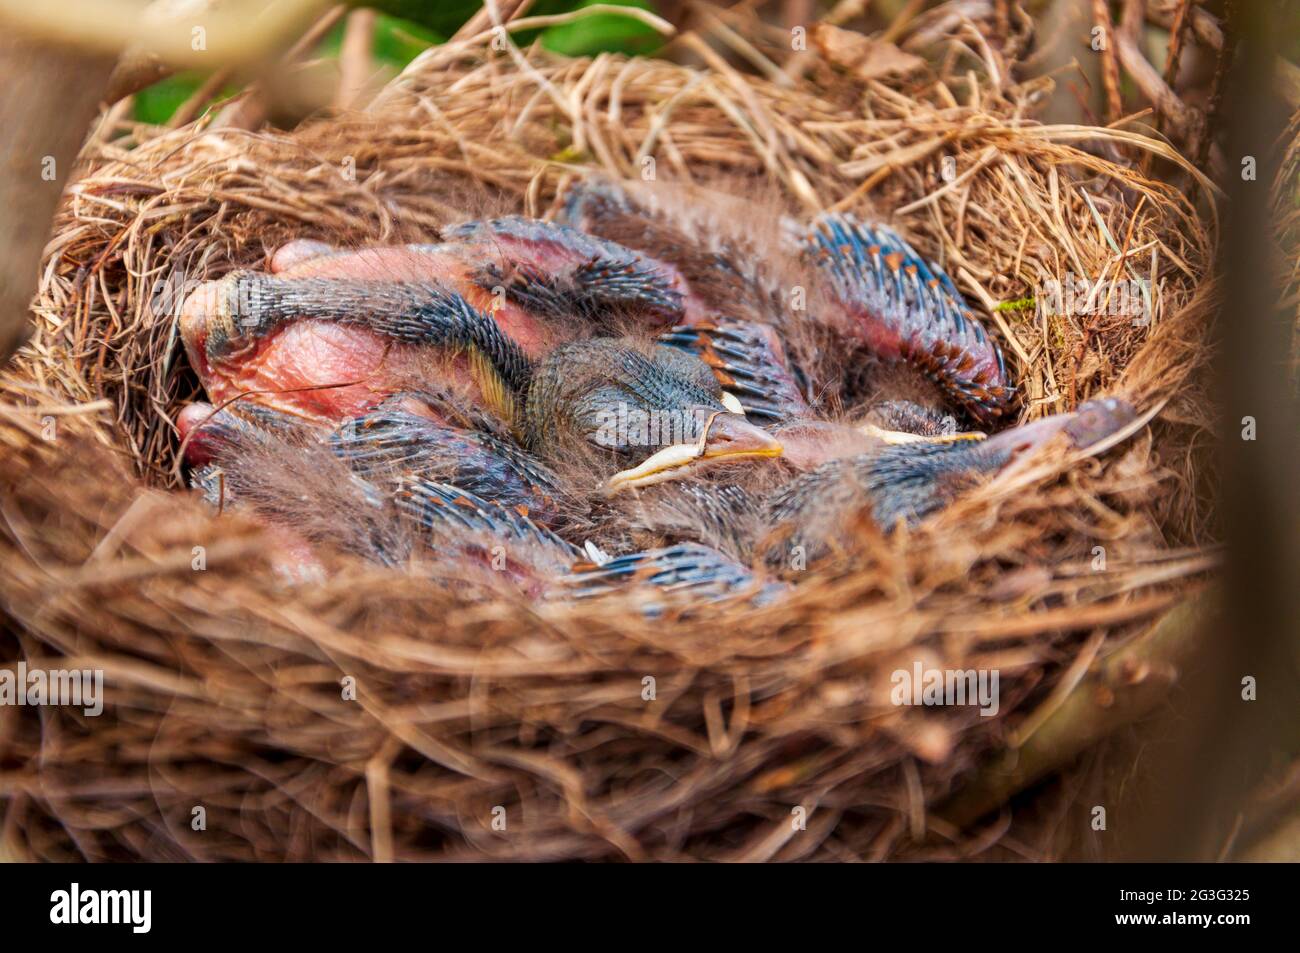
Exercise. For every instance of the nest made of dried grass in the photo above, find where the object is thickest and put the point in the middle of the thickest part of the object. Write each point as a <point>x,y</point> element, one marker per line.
<point>224,685</point>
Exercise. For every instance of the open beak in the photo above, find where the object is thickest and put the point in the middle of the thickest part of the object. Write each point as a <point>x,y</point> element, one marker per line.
<point>900,436</point>
<point>726,437</point>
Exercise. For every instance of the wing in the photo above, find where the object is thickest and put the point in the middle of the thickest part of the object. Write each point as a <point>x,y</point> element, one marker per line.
<point>687,568</point>
<point>749,361</point>
<point>393,443</point>
<point>564,274</point>
<point>904,309</point>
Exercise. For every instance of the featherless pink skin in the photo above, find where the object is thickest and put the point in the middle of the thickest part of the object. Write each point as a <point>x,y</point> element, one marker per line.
<point>295,252</point>
<point>207,432</point>
<point>1091,422</point>
<point>908,311</point>
<point>320,370</point>
<point>201,447</point>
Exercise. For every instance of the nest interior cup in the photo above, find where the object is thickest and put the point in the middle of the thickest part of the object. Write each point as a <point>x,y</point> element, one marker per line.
<point>367,715</point>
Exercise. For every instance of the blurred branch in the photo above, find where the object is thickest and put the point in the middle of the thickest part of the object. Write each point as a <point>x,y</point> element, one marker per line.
<point>1177,32</point>
<point>741,46</point>
<point>141,67</point>
<point>1281,845</point>
<point>48,99</point>
<point>846,10</point>
<point>271,91</point>
<point>209,88</point>
<point>1213,101</point>
<point>1116,691</point>
<point>59,66</point>
<point>521,24</point>
<point>241,31</point>
<point>136,70</point>
<point>898,26</point>
<point>798,13</point>
<point>1109,68</point>
<point>355,64</point>
<point>1208,30</point>
<point>484,18</point>
<point>1145,76</point>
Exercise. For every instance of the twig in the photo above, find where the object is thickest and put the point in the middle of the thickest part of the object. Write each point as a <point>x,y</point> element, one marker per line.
<point>901,22</point>
<point>482,20</point>
<point>135,71</point>
<point>1109,68</point>
<point>1177,30</point>
<point>1153,87</point>
<point>521,24</point>
<point>240,32</point>
<point>1210,32</point>
<point>355,65</point>
<point>742,47</point>
<point>1204,135</point>
<point>199,98</point>
<point>1117,691</point>
<point>845,10</point>
<point>250,110</point>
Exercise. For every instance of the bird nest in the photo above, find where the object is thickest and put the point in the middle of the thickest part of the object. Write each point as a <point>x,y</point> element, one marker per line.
<point>509,728</point>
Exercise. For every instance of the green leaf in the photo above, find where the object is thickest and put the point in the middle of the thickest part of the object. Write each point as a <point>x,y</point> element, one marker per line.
<point>155,104</point>
<point>400,41</point>
<point>603,32</point>
<point>443,17</point>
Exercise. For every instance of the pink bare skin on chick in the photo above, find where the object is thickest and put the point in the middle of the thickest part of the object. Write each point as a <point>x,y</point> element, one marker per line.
<point>327,371</point>
<point>316,369</point>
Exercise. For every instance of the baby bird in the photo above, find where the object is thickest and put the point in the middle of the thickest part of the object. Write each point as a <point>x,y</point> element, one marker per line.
<point>905,483</point>
<point>866,287</point>
<point>606,395</point>
<point>381,498</point>
<point>329,334</point>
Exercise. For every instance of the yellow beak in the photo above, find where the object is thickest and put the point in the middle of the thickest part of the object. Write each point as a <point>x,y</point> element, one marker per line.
<point>726,437</point>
